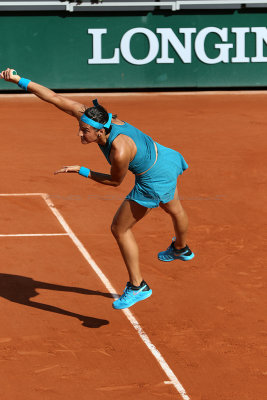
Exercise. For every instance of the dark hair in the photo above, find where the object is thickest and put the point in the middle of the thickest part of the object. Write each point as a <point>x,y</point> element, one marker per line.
<point>99,114</point>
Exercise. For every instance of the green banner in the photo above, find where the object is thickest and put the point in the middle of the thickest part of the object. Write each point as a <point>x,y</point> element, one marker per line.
<point>144,51</point>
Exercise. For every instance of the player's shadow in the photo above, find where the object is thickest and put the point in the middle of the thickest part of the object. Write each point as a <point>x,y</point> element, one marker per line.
<point>21,289</point>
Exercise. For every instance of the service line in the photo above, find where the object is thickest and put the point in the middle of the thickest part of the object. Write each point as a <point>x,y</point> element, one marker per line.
<point>34,234</point>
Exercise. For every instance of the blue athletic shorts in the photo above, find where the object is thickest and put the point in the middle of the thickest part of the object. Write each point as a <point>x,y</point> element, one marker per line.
<point>159,183</point>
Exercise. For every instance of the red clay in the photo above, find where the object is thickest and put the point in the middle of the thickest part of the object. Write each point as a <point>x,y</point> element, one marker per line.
<point>59,336</point>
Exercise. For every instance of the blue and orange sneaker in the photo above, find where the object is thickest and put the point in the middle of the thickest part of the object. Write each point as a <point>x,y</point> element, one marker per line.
<point>131,295</point>
<point>172,253</point>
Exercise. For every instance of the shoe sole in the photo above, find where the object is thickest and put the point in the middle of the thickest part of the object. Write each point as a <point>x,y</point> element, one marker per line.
<point>122,308</point>
<point>182,258</point>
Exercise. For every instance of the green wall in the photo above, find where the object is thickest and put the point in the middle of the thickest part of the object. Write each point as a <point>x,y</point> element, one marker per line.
<point>54,50</point>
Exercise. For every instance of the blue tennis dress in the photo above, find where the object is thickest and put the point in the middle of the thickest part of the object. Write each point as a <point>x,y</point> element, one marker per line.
<point>158,184</point>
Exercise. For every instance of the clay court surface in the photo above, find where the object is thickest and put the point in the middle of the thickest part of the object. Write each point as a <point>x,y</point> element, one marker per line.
<point>59,336</point>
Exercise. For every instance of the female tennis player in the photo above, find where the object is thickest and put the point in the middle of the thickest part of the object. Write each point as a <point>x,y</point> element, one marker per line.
<point>156,169</point>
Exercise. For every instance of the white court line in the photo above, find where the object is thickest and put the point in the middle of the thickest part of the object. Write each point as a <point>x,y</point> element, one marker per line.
<point>170,374</point>
<point>19,194</point>
<point>35,234</point>
<point>173,380</point>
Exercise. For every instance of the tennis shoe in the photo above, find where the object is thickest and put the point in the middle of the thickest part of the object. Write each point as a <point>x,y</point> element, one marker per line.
<point>132,295</point>
<point>172,253</point>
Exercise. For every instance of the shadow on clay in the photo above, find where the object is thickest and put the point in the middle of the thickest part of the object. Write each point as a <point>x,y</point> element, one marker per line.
<point>20,289</point>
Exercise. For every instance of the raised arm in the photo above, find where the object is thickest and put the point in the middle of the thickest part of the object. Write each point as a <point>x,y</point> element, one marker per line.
<point>70,107</point>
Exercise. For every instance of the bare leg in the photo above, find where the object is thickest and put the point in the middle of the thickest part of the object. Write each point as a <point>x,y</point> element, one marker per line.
<point>179,219</point>
<point>125,218</point>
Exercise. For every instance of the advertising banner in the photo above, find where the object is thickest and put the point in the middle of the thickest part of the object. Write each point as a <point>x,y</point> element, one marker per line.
<point>136,51</point>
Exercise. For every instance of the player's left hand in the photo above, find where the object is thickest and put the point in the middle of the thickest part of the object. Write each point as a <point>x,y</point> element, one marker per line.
<point>69,168</point>
<point>10,75</point>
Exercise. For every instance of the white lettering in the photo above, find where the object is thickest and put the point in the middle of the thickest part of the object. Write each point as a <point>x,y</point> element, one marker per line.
<point>97,49</point>
<point>223,47</point>
<point>170,41</point>
<point>126,42</point>
<point>261,36</point>
<point>184,52</point>
<point>240,45</point>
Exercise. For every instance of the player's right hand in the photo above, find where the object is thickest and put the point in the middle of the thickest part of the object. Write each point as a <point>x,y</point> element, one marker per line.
<point>8,76</point>
<point>69,168</point>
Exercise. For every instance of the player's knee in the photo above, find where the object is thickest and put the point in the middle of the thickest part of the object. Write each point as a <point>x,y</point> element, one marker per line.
<point>167,210</point>
<point>115,229</point>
